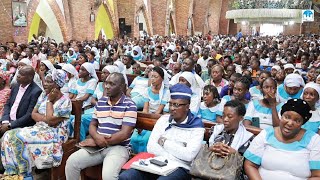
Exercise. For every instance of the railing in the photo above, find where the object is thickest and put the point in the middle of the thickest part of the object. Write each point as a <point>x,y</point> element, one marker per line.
<point>270,4</point>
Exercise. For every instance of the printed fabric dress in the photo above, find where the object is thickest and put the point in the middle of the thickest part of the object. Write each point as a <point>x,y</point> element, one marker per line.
<point>39,145</point>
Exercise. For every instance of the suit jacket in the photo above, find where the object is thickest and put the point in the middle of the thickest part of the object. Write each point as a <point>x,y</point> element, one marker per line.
<point>26,105</point>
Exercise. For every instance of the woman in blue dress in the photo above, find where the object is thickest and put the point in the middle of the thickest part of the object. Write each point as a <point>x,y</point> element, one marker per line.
<point>291,88</point>
<point>157,95</point>
<point>264,110</point>
<point>241,87</point>
<point>288,151</point>
<point>255,91</point>
<point>311,94</point>
<point>210,104</point>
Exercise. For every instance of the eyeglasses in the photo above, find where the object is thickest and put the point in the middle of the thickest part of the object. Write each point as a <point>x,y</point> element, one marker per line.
<point>176,105</point>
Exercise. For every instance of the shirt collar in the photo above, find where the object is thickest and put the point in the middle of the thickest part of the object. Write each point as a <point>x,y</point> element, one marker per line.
<point>119,101</point>
<point>183,122</point>
<point>24,88</point>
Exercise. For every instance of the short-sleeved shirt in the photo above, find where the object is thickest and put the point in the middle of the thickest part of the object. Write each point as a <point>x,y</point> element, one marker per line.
<point>255,93</point>
<point>111,117</point>
<point>224,100</point>
<point>98,93</point>
<point>69,87</point>
<point>154,99</point>
<point>207,113</point>
<point>290,161</point>
<point>83,88</point>
<point>223,83</point>
<point>283,96</point>
<point>313,124</point>
<point>138,85</point>
<point>257,110</point>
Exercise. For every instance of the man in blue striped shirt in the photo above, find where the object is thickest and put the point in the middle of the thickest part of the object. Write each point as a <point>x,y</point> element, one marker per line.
<point>112,123</point>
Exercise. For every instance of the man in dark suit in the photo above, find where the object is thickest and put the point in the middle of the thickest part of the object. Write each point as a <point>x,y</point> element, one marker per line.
<point>24,96</point>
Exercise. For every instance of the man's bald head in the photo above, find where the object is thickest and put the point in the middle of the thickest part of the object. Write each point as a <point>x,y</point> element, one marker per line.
<point>26,75</point>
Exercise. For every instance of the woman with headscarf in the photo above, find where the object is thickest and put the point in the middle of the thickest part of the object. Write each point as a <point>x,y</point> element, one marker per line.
<point>45,67</point>
<point>71,56</point>
<point>71,81</point>
<point>26,62</point>
<point>291,88</point>
<point>157,95</point>
<point>97,54</point>
<point>188,79</point>
<point>4,90</point>
<point>86,85</point>
<point>39,145</point>
<point>98,93</point>
<point>122,69</point>
<point>287,151</point>
<point>311,94</point>
<point>137,53</point>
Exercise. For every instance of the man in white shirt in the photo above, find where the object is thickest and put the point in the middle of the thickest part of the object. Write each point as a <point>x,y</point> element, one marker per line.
<point>176,136</point>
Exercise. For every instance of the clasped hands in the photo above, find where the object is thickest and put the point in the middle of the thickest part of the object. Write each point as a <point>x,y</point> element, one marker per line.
<point>221,149</point>
<point>98,140</point>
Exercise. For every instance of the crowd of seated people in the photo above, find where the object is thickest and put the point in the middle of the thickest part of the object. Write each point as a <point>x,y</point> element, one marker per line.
<point>269,84</point>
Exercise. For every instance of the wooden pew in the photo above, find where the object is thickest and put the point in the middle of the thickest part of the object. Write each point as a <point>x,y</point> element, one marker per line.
<point>58,173</point>
<point>147,122</point>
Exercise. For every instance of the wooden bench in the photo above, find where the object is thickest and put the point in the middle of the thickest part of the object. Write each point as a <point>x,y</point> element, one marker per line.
<point>146,122</point>
<point>58,173</point>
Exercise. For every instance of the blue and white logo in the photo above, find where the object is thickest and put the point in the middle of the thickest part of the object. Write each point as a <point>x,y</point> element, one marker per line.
<point>307,15</point>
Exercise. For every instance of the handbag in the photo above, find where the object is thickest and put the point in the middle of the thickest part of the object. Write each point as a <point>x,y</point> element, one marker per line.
<point>207,165</point>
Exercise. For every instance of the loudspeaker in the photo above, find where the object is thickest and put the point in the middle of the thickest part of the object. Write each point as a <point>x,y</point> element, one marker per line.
<point>122,23</point>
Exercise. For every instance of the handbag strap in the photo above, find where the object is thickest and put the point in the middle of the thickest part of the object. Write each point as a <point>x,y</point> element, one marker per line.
<point>214,156</point>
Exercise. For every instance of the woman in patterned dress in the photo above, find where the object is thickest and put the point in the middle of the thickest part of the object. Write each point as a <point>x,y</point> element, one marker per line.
<point>39,145</point>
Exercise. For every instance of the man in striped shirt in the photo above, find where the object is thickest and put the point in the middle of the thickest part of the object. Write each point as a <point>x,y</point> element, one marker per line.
<point>112,124</point>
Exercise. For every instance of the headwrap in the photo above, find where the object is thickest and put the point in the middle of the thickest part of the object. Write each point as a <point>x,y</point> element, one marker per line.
<point>314,86</point>
<point>4,75</point>
<point>276,67</point>
<point>288,66</point>
<point>90,68</point>
<point>48,64</point>
<point>70,69</point>
<point>189,76</point>
<point>180,91</point>
<point>26,61</point>
<point>299,106</point>
<point>111,69</point>
<point>87,46</point>
<point>96,53</point>
<point>58,76</point>
<point>122,69</point>
<point>139,56</point>
<point>294,80</point>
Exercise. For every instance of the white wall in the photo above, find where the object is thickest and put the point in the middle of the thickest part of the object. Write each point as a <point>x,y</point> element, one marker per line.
<point>47,15</point>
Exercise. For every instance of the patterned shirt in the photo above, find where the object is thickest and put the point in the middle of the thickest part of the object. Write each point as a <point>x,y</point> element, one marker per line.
<point>111,117</point>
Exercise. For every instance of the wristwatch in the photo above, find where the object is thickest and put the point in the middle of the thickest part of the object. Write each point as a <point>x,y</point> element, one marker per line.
<point>49,101</point>
<point>9,126</point>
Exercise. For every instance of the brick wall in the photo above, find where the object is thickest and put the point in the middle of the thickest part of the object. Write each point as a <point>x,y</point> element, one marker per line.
<point>159,13</point>
<point>6,28</point>
<point>200,15</point>
<point>182,12</point>
<point>224,23</point>
<point>214,18</point>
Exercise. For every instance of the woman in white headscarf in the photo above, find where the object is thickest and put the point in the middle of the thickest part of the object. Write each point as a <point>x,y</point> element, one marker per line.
<point>98,93</point>
<point>188,79</point>
<point>86,85</point>
<point>97,54</point>
<point>45,67</point>
<point>122,69</point>
<point>291,88</point>
<point>311,94</point>
<point>137,53</point>
<point>26,62</point>
<point>72,77</point>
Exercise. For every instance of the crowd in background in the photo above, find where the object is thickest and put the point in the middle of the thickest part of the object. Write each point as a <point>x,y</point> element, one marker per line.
<point>245,80</point>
